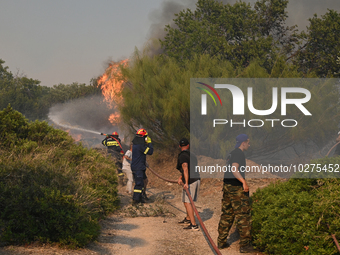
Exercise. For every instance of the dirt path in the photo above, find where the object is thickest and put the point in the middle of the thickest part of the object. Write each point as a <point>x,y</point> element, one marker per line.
<point>152,228</point>
<point>147,234</point>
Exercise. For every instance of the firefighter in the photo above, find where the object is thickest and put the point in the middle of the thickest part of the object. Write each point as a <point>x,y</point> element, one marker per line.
<point>114,147</point>
<point>142,146</point>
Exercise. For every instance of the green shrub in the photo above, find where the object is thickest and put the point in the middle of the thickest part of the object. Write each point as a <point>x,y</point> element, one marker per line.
<point>13,127</point>
<point>51,189</point>
<point>291,217</point>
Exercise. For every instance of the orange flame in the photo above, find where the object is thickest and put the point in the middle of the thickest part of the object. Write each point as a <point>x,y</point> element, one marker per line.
<point>114,118</point>
<point>76,137</point>
<point>112,85</point>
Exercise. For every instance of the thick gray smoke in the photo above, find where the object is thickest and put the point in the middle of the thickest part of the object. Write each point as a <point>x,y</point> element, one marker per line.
<point>87,117</point>
<point>165,15</point>
<point>299,11</point>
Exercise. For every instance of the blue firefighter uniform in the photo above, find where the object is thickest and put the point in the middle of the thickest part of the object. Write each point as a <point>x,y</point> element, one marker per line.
<point>138,165</point>
<point>113,144</point>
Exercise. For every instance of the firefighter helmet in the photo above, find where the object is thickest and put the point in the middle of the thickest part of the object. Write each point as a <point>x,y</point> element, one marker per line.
<point>115,133</point>
<point>142,132</point>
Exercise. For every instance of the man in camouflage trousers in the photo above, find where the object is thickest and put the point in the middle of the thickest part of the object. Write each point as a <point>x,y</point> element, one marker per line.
<point>235,202</point>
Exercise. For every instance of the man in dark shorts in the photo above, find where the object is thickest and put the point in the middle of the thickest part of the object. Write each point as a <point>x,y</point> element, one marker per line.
<point>185,160</point>
<point>235,202</point>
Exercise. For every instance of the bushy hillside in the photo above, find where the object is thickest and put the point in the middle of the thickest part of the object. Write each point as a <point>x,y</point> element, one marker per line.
<point>51,189</point>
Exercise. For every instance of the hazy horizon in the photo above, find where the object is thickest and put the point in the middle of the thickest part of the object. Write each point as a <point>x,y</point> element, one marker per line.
<point>72,41</point>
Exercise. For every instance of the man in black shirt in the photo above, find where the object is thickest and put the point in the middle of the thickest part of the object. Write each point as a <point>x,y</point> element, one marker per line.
<point>235,202</point>
<point>185,162</point>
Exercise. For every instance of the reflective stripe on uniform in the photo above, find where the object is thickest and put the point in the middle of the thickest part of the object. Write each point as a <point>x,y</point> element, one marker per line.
<point>121,174</point>
<point>112,143</point>
<point>146,151</point>
<point>137,190</point>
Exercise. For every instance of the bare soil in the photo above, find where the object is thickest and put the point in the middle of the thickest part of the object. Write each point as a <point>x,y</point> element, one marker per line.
<point>152,228</point>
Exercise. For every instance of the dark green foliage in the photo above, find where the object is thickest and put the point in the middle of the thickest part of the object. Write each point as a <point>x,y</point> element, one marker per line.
<point>62,93</point>
<point>321,48</point>
<point>157,96</point>
<point>291,217</point>
<point>13,127</point>
<point>226,41</point>
<point>237,33</point>
<point>17,130</point>
<point>44,214</point>
<point>241,33</point>
<point>33,100</point>
<point>51,189</point>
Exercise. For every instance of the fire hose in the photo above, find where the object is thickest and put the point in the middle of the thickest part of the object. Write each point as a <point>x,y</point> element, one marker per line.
<point>115,140</point>
<point>190,198</point>
<point>335,240</point>
<point>332,148</point>
<point>195,210</point>
<point>201,222</point>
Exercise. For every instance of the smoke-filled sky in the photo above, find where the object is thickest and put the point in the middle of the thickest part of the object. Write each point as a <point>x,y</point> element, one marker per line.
<point>71,41</point>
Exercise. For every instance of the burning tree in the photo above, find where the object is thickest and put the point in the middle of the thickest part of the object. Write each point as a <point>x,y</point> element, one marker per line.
<point>111,84</point>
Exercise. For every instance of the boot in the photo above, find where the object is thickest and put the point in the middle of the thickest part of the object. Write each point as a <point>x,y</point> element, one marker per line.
<point>247,249</point>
